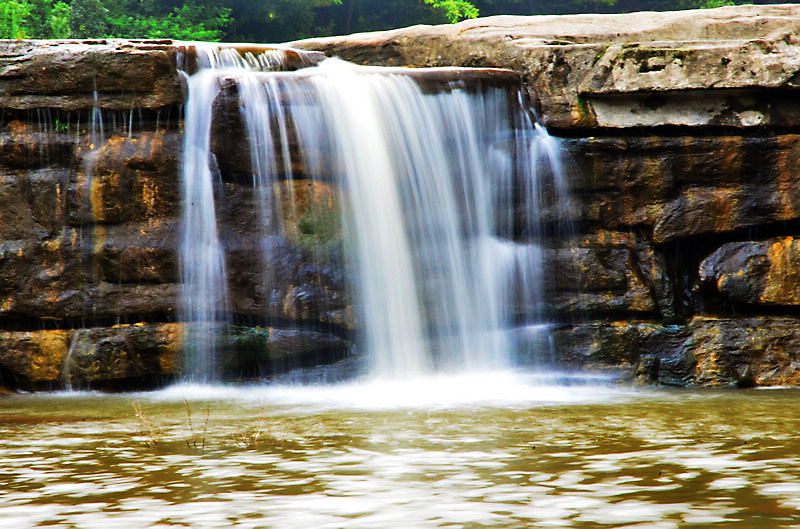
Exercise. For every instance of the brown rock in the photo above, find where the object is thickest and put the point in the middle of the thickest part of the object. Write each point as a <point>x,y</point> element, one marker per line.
<point>128,179</point>
<point>296,272</point>
<point>44,143</point>
<point>618,345</point>
<point>104,358</point>
<point>609,272</point>
<point>685,187</point>
<point>708,351</point>
<point>260,351</point>
<point>73,75</point>
<point>33,359</point>
<point>759,272</point>
<point>114,272</point>
<point>745,351</point>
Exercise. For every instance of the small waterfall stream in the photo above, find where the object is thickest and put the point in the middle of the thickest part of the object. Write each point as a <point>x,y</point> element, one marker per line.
<point>433,180</point>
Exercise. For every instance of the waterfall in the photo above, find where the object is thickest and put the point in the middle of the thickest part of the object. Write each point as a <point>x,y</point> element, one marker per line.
<point>203,279</point>
<point>433,181</point>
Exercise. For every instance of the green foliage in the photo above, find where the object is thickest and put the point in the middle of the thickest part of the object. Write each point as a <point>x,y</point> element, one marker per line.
<point>710,4</point>
<point>13,14</point>
<point>274,20</point>
<point>319,229</point>
<point>544,7</point>
<point>59,20</point>
<point>455,10</point>
<point>89,19</point>
<point>249,349</point>
<point>190,21</point>
<point>43,19</point>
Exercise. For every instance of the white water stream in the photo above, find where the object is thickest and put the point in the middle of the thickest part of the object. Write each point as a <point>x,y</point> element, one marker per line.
<point>431,180</point>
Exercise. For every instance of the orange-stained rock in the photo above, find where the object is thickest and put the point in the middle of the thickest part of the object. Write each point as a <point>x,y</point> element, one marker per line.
<point>114,358</point>
<point>608,272</point>
<point>130,356</point>
<point>706,351</point>
<point>758,272</point>
<point>34,359</point>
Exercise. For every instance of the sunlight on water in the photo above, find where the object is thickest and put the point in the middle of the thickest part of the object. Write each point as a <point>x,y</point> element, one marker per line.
<point>276,457</point>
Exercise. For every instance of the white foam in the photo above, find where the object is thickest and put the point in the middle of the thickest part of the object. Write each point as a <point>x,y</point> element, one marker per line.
<point>487,389</point>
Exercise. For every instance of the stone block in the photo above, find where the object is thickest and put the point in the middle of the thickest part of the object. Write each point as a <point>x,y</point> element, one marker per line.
<point>757,272</point>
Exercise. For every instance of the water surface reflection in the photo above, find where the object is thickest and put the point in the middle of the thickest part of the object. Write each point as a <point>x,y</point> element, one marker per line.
<point>267,458</point>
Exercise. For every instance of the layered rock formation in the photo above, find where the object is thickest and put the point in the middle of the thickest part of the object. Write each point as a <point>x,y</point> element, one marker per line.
<point>683,151</point>
<point>681,133</point>
<point>90,204</point>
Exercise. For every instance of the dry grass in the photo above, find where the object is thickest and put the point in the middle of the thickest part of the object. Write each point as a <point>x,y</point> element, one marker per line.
<point>149,430</point>
<point>196,440</point>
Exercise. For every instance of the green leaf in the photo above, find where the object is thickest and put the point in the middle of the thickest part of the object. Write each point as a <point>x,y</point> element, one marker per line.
<point>455,10</point>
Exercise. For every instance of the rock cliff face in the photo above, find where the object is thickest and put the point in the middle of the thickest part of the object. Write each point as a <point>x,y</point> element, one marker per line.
<point>683,155</point>
<point>91,141</point>
<point>682,134</point>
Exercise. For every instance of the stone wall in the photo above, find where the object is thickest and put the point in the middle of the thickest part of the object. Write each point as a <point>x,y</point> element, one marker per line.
<point>682,135</point>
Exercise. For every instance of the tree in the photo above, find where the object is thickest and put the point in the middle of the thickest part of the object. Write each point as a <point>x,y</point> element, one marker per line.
<point>89,19</point>
<point>274,20</point>
<point>44,19</point>
<point>190,21</point>
<point>13,14</point>
<point>455,10</point>
<point>280,20</point>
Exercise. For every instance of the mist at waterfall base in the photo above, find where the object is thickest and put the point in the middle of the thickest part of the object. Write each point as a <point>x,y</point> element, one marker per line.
<point>433,180</point>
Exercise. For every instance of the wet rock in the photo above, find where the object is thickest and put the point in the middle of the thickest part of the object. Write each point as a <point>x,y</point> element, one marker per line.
<point>135,253</point>
<point>759,351</point>
<point>619,345</point>
<point>707,351</point>
<point>89,218</point>
<point>104,358</point>
<point>72,75</point>
<point>33,360</point>
<point>44,142</point>
<point>127,179</point>
<point>261,351</point>
<point>124,271</point>
<point>123,354</point>
<point>758,272</point>
<point>609,272</point>
<point>149,355</point>
<point>292,229</point>
<point>685,187</point>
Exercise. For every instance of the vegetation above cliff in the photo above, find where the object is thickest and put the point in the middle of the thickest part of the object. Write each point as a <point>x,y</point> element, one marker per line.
<point>279,20</point>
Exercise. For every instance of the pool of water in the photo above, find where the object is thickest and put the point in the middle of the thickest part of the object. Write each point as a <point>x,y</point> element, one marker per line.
<point>581,456</point>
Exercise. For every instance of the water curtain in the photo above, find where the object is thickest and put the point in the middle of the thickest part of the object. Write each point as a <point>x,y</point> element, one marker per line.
<point>441,178</point>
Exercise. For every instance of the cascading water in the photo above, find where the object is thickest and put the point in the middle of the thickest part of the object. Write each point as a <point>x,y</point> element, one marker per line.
<point>432,181</point>
<point>204,300</point>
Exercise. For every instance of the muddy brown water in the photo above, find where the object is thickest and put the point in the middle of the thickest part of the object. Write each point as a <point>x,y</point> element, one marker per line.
<point>257,458</point>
